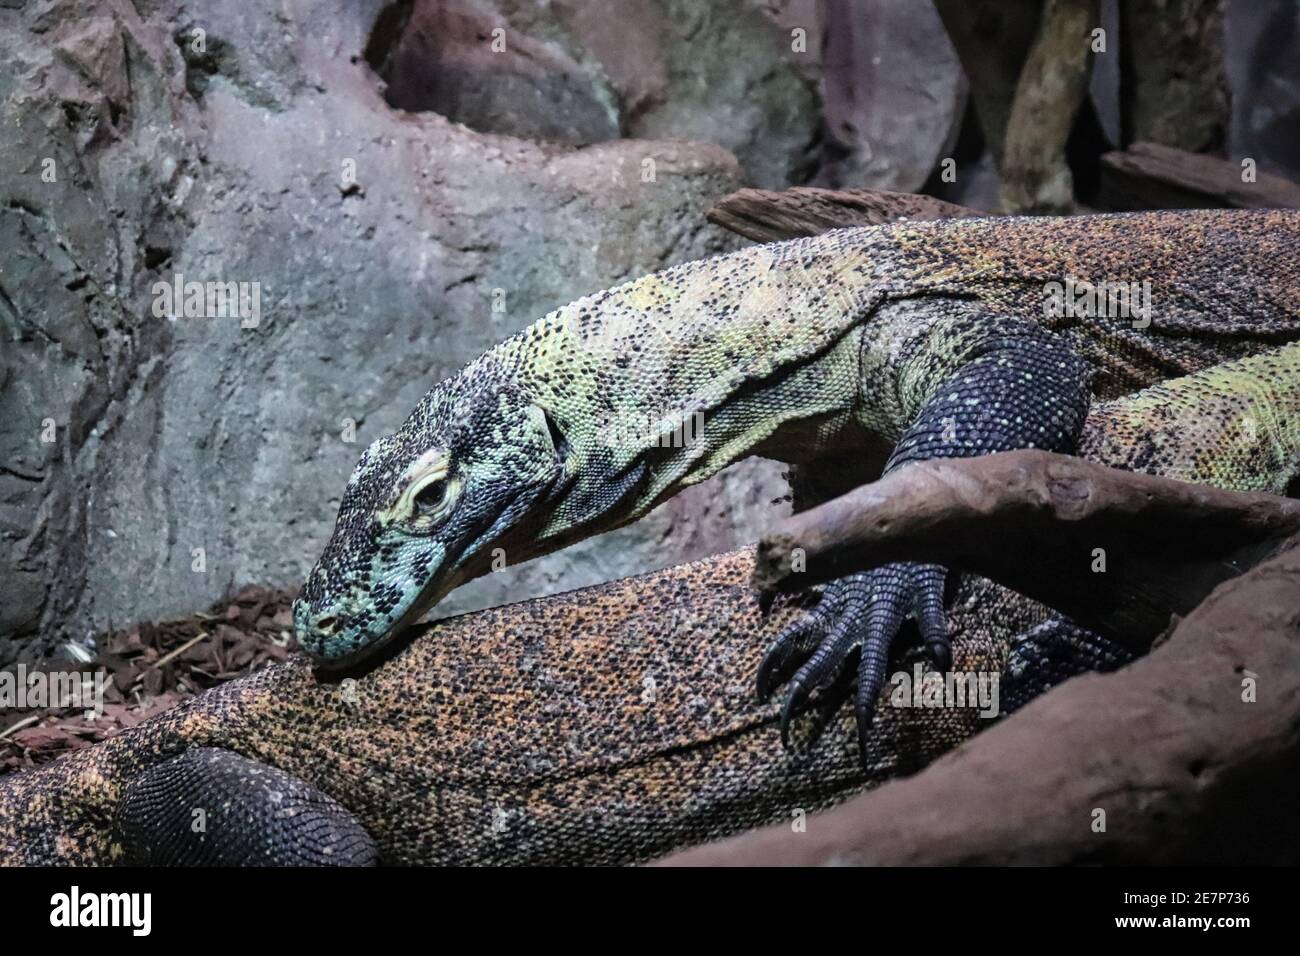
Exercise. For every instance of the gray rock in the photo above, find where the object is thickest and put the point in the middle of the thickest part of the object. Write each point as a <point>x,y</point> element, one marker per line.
<point>1262,61</point>
<point>192,455</point>
<point>731,72</point>
<point>463,61</point>
<point>894,94</point>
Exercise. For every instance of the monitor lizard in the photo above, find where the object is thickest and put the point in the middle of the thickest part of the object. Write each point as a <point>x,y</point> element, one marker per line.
<point>847,354</point>
<point>606,725</point>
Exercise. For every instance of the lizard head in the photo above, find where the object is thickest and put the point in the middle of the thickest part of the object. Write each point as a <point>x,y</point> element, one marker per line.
<point>426,509</point>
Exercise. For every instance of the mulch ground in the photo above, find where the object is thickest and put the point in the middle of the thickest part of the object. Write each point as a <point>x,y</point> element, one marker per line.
<point>152,667</point>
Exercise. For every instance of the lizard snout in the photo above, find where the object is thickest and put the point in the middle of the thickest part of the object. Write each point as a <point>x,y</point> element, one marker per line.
<point>315,627</point>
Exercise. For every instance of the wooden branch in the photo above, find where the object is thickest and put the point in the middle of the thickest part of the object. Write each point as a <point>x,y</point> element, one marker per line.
<point>1040,524</point>
<point>1051,88</point>
<point>1190,755</point>
<point>766,215</point>
<point>992,39</point>
<point>1151,176</point>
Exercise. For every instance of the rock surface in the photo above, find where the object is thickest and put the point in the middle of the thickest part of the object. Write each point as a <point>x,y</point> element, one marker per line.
<point>1262,60</point>
<point>894,92</point>
<point>150,465</point>
<point>732,72</point>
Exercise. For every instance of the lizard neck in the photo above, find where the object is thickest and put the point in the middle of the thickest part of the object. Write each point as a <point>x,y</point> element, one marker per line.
<point>660,383</point>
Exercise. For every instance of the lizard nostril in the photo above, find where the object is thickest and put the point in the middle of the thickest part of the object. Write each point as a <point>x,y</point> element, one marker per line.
<point>327,624</point>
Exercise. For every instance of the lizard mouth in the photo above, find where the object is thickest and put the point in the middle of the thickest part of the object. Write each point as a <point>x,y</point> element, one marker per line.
<point>459,563</point>
<point>394,638</point>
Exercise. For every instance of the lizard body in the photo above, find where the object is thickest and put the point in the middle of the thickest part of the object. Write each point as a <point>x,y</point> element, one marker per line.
<point>847,345</point>
<point>847,354</point>
<point>607,725</point>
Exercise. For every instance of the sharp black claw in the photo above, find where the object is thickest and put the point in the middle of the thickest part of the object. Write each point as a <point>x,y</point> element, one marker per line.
<point>792,708</point>
<point>871,677</point>
<point>775,666</point>
<point>940,655</point>
<point>785,655</point>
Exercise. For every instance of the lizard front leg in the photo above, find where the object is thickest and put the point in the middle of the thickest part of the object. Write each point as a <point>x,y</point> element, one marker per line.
<point>1019,387</point>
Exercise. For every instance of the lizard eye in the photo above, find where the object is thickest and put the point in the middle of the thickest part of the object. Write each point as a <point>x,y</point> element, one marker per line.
<point>425,491</point>
<point>430,499</point>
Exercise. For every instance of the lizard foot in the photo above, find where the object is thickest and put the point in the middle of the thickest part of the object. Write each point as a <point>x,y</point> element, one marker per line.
<point>858,616</point>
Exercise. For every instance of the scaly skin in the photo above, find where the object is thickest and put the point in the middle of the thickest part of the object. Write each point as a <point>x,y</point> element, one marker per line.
<point>611,724</point>
<point>856,350</point>
<point>788,349</point>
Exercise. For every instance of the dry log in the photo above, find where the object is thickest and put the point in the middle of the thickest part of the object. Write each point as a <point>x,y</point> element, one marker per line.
<point>1151,176</point>
<point>1051,88</point>
<point>1165,544</point>
<point>992,39</point>
<point>1190,755</point>
<point>766,215</point>
<point>1027,63</point>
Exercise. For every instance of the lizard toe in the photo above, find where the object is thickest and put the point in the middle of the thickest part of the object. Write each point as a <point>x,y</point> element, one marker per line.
<point>851,631</point>
<point>818,672</point>
<point>872,665</point>
<point>927,596</point>
<point>790,649</point>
